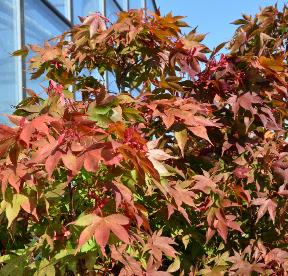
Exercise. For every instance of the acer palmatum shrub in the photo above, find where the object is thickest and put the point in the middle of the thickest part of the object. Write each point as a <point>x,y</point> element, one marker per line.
<point>186,177</point>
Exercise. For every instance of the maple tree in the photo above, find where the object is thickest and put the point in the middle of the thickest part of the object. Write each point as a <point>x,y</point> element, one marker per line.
<point>181,171</point>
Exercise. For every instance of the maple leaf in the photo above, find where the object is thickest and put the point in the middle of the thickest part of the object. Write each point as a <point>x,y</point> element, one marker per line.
<point>180,194</point>
<point>7,137</point>
<point>39,124</point>
<point>265,205</point>
<point>278,255</point>
<point>49,52</point>
<point>122,193</point>
<point>140,161</point>
<point>244,194</point>
<point>238,42</point>
<point>131,266</point>
<point>52,161</point>
<point>206,184</point>
<point>243,267</point>
<point>201,132</point>
<point>275,64</point>
<point>156,155</point>
<point>220,222</point>
<point>96,22</point>
<point>71,162</point>
<point>100,228</point>
<point>245,101</point>
<point>157,245</point>
<point>13,207</point>
<point>14,175</point>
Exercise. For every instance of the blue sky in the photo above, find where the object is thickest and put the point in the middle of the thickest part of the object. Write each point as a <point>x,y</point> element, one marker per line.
<point>214,16</point>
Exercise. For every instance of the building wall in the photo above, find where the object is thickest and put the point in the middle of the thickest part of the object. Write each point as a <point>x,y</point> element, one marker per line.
<point>33,21</point>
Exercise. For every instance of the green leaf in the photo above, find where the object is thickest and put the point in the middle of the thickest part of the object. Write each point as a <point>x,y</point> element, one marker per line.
<point>90,245</point>
<point>239,22</point>
<point>101,110</point>
<point>45,268</point>
<point>58,191</point>
<point>99,114</point>
<point>90,258</point>
<point>133,114</point>
<point>64,253</point>
<point>85,220</point>
<point>15,266</point>
<point>102,120</point>
<point>36,74</point>
<point>12,210</point>
<point>68,94</point>
<point>22,52</point>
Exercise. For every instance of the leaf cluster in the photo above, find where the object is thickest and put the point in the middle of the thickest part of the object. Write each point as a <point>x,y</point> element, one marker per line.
<point>181,171</point>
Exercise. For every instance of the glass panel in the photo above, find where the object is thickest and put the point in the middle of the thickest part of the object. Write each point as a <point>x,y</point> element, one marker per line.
<point>135,93</point>
<point>111,83</point>
<point>135,4</point>
<point>10,68</point>
<point>111,10</point>
<point>62,6</point>
<point>40,24</point>
<point>84,8</point>
<point>150,5</point>
<point>121,3</point>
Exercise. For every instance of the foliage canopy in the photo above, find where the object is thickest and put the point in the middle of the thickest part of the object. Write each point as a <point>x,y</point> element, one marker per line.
<point>168,175</point>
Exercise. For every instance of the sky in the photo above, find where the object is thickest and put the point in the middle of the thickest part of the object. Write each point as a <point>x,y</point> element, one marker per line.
<point>214,16</point>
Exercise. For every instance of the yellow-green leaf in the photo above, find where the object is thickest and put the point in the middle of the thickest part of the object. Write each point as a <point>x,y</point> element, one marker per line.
<point>182,138</point>
<point>174,266</point>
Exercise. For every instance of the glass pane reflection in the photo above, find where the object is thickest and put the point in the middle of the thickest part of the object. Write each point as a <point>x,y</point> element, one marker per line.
<point>84,8</point>
<point>150,5</point>
<point>111,10</point>
<point>10,67</point>
<point>40,24</point>
<point>61,5</point>
<point>135,4</point>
